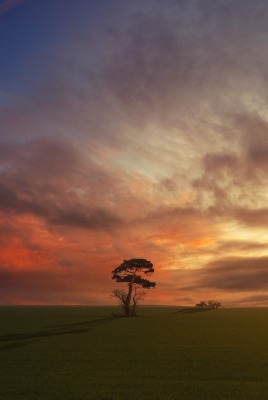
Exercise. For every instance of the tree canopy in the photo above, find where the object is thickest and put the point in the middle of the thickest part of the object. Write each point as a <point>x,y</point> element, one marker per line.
<point>132,272</point>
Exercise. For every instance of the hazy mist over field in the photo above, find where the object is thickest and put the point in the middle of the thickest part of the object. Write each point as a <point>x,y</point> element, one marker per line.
<point>133,129</point>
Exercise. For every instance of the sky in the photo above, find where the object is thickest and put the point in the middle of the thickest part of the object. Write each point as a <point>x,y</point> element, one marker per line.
<point>133,129</point>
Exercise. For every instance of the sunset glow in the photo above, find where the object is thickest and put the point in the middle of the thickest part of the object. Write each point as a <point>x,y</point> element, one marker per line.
<point>133,130</point>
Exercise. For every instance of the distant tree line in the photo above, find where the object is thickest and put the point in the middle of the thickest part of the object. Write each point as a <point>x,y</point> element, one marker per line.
<point>209,304</point>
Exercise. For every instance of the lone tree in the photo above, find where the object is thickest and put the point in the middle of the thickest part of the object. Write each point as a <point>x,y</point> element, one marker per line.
<point>130,271</point>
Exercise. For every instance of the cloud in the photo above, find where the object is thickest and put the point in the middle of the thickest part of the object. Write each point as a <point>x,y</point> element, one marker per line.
<point>253,300</point>
<point>235,274</point>
<point>48,287</point>
<point>48,178</point>
<point>232,182</point>
<point>6,5</point>
<point>240,246</point>
<point>220,162</point>
<point>89,219</point>
<point>258,154</point>
<point>252,217</point>
<point>54,210</point>
<point>142,134</point>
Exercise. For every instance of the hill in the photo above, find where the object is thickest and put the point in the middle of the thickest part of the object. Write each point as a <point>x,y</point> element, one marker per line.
<point>166,353</point>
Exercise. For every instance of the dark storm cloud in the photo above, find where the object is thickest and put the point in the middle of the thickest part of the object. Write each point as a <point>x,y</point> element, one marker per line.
<point>235,274</point>
<point>254,300</point>
<point>11,200</point>
<point>37,180</point>
<point>251,217</point>
<point>46,157</point>
<point>16,280</point>
<point>220,162</point>
<point>52,157</point>
<point>43,285</point>
<point>89,219</point>
<point>54,213</point>
<point>258,154</point>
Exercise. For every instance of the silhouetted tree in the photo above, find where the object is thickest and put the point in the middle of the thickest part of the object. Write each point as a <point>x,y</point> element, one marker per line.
<point>130,272</point>
<point>137,296</point>
<point>209,304</point>
<point>214,304</point>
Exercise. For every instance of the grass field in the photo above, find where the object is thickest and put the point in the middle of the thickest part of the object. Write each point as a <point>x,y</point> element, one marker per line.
<point>76,353</point>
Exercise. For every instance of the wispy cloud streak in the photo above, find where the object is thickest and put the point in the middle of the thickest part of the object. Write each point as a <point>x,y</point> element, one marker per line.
<point>6,5</point>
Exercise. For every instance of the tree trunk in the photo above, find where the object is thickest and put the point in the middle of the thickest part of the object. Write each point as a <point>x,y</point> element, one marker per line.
<point>128,300</point>
<point>134,313</point>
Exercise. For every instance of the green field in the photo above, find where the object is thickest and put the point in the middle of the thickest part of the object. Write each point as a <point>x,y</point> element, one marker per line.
<point>76,353</point>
